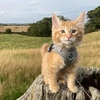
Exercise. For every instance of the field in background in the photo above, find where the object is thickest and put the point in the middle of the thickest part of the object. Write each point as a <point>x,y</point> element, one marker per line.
<point>20,61</point>
<point>18,69</point>
<point>89,51</point>
<point>14,28</point>
<point>17,41</point>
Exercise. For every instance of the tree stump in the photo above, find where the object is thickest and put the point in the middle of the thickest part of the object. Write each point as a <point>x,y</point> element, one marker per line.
<point>89,78</point>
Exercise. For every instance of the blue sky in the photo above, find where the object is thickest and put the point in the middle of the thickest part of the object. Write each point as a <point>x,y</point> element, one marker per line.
<point>30,11</point>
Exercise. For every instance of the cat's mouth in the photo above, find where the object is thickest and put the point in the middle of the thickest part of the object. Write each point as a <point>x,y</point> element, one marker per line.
<point>66,41</point>
<point>69,42</point>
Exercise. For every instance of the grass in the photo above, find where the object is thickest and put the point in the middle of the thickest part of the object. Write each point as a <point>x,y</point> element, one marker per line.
<point>20,61</point>
<point>14,28</point>
<point>18,69</point>
<point>17,41</point>
<point>89,51</point>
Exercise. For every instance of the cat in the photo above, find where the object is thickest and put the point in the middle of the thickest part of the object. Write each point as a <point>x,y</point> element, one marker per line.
<point>67,35</point>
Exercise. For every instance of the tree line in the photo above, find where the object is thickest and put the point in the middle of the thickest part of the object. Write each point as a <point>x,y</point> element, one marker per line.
<point>43,27</point>
<point>93,23</point>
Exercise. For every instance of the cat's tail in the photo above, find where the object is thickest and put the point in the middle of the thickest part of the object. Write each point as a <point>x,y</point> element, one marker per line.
<point>44,49</point>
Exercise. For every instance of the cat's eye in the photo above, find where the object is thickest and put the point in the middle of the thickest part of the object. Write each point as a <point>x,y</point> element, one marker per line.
<point>62,31</point>
<point>73,31</point>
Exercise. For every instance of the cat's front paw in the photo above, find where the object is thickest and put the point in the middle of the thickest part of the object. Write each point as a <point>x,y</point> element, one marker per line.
<point>74,89</point>
<point>54,89</point>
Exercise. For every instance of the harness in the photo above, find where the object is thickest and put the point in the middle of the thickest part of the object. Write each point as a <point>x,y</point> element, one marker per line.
<point>68,54</point>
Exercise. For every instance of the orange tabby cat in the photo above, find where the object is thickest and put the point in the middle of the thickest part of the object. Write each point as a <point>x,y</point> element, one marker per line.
<point>65,34</point>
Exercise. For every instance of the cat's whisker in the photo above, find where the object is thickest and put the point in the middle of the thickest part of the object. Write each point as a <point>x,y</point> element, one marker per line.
<point>75,42</point>
<point>60,59</point>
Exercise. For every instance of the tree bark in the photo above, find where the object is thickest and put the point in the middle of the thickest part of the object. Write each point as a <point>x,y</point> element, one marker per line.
<point>88,83</point>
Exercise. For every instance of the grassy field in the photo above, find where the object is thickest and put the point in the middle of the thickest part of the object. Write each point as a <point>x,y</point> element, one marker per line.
<point>89,51</point>
<point>16,41</point>
<point>20,61</point>
<point>14,28</point>
<point>18,69</point>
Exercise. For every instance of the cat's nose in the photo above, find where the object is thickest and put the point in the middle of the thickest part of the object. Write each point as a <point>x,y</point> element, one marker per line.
<point>69,36</point>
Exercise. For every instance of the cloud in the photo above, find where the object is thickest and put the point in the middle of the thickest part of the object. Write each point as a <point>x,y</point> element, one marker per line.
<point>57,12</point>
<point>2,12</point>
<point>33,3</point>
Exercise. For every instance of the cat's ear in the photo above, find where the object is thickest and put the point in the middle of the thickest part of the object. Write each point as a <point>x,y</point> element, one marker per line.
<point>55,21</point>
<point>80,20</point>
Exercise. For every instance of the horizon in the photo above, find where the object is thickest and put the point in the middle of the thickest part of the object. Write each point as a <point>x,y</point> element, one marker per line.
<point>31,11</point>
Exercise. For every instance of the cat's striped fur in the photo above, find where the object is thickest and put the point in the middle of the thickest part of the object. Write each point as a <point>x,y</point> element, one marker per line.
<point>64,34</point>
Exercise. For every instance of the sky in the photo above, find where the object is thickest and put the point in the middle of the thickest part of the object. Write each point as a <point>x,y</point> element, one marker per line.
<point>30,11</point>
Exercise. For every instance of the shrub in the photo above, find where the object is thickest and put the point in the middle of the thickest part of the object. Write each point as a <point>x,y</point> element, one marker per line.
<point>93,23</point>
<point>8,31</point>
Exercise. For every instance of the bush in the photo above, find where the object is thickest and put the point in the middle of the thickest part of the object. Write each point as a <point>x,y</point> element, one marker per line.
<point>93,23</point>
<point>41,28</point>
<point>8,31</point>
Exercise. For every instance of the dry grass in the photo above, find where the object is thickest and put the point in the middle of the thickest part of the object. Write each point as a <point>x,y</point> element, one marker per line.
<point>89,51</point>
<point>14,28</point>
<point>18,69</point>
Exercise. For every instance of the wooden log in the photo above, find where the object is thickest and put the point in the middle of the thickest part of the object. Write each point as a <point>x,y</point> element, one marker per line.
<point>94,93</point>
<point>89,78</point>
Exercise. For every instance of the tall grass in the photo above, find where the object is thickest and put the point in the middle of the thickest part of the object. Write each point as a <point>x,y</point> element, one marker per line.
<point>20,64</point>
<point>17,41</point>
<point>18,69</point>
<point>89,51</point>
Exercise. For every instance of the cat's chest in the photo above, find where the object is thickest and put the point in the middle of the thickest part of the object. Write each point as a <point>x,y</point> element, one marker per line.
<point>69,56</point>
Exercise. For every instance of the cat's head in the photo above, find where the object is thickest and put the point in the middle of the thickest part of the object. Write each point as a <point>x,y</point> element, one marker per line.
<point>67,33</point>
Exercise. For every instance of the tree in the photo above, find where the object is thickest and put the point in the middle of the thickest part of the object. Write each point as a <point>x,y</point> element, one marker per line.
<point>63,18</point>
<point>8,31</point>
<point>43,27</point>
<point>93,23</point>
